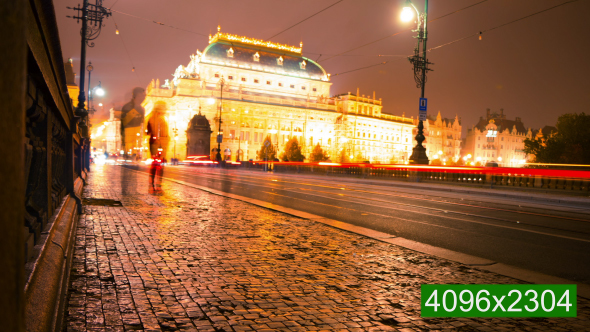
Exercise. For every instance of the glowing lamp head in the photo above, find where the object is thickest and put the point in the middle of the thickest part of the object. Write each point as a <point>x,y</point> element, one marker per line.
<point>407,14</point>
<point>100,104</point>
<point>99,91</point>
<point>211,101</point>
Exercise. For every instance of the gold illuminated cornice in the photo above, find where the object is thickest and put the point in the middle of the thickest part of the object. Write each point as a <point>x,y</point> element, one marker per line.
<point>219,36</point>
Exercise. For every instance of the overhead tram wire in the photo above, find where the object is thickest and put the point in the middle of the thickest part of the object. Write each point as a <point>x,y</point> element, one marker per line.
<point>502,25</point>
<point>307,18</point>
<point>400,32</point>
<point>159,23</point>
<point>113,5</point>
<point>466,37</point>
<point>128,55</point>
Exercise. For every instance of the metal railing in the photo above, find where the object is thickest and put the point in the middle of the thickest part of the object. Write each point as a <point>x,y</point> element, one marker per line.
<point>492,177</point>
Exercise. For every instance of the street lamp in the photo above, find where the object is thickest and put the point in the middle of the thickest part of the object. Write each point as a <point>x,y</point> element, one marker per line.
<point>420,68</point>
<point>219,134</point>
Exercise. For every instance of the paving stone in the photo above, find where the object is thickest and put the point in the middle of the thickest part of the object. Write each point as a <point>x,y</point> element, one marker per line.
<point>187,260</point>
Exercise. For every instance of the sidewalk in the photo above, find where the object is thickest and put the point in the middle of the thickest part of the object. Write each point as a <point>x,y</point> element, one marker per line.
<point>187,260</point>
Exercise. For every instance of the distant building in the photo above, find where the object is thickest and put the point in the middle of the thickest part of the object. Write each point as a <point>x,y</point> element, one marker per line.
<point>495,138</point>
<point>73,89</point>
<point>443,138</point>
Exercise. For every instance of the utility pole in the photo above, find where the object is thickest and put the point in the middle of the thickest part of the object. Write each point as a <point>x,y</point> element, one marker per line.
<point>420,63</point>
<point>93,14</point>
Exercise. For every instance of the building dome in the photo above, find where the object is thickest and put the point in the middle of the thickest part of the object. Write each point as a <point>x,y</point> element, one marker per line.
<point>243,52</point>
<point>199,121</point>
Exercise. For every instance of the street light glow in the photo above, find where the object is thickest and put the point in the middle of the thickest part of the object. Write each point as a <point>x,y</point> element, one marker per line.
<point>211,101</point>
<point>407,14</point>
<point>99,91</point>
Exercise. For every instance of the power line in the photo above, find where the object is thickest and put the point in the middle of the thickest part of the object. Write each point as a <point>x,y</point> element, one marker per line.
<point>400,32</point>
<point>466,37</point>
<point>128,55</point>
<point>369,66</point>
<point>159,23</point>
<point>307,18</point>
<point>113,5</point>
<point>502,25</point>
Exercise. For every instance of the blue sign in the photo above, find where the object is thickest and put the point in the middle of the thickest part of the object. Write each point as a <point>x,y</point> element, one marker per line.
<point>423,104</point>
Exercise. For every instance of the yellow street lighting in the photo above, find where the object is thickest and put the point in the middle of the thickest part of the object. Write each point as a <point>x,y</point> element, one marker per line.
<point>407,14</point>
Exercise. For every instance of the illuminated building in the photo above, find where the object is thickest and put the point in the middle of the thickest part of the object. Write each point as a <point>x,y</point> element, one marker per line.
<point>495,138</point>
<point>443,138</point>
<point>271,89</point>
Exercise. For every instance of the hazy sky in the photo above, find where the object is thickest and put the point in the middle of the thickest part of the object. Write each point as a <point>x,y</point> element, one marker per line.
<point>536,68</point>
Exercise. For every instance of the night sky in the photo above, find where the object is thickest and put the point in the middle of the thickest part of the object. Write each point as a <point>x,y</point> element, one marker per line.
<point>536,68</point>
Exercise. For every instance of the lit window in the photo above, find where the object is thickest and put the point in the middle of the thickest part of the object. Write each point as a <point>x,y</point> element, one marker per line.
<point>230,53</point>
<point>216,75</point>
<point>314,89</point>
<point>255,81</point>
<point>230,77</point>
<point>302,88</point>
<point>302,64</point>
<point>256,57</point>
<point>292,86</point>
<point>280,84</point>
<point>280,61</point>
<point>268,82</point>
<point>243,79</point>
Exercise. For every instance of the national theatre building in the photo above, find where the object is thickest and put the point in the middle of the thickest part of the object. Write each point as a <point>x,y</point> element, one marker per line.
<point>265,89</point>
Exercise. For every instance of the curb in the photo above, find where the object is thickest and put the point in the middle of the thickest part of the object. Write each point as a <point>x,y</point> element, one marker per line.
<point>528,276</point>
<point>47,284</point>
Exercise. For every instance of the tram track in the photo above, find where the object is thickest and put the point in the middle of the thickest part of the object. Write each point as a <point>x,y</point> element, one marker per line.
<point>256,181</point>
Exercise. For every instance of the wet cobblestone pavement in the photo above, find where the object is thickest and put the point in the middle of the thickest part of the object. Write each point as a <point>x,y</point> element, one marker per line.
<point>187,260</point>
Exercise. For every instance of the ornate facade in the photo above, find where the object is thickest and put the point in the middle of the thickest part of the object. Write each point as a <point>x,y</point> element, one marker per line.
<point>263,88</point>
<point>443,138</point>
<point>495,138</point>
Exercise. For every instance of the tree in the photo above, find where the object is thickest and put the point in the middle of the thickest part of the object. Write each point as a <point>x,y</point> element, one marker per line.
<point>569,145</point>
<point>343,157</point>
<point>459,162</point>
<point>292,151</point>
<point>318,154</point>
<point>267,152</point>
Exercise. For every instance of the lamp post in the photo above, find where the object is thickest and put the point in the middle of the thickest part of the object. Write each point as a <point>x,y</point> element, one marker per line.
<point>420,68</point>
<point>219,134</point>
<point>175,130</point>
<point>89,68</point>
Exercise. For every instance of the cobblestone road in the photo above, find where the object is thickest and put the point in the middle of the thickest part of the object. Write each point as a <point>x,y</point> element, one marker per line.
<point>187,260</point>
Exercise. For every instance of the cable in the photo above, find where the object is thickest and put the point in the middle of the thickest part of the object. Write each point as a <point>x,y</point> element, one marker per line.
<point>397,33</point>
<point>350,71</point>
<point>466,37</point>
<point>159,23</point>
<point>128,55</point>
<point>113,5</point>
<point>307,18</point>
<point>501,25</point>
